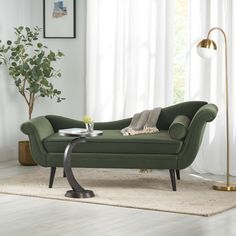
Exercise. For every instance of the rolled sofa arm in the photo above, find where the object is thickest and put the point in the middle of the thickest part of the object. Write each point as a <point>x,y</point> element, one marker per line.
<point>37,129</point>
<point>192,141</point>
<point>206,113</point>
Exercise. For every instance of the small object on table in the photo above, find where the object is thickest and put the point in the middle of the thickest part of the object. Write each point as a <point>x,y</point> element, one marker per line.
<point>80,137</point>
<point>89,127</point>
<point>88,123</point>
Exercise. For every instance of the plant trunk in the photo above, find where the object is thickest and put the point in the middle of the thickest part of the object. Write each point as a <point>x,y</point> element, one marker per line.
<point>30,114</point>
<point>31,106</point>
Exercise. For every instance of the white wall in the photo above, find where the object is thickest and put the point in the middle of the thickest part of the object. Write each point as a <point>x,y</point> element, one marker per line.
<point>13,110</point>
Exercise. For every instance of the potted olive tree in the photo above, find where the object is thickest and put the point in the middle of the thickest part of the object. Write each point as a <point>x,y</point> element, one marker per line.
<point>30,65</point>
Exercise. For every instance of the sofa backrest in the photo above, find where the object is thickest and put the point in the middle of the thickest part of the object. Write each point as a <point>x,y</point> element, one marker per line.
<point>166,117</point>
<point>61,122</point>
<point>168,114</point>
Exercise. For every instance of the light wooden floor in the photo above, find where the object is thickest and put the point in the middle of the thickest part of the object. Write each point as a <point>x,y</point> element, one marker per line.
<point>23,216</point>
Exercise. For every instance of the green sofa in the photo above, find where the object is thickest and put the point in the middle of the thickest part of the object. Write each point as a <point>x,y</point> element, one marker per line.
<point>173,150</point>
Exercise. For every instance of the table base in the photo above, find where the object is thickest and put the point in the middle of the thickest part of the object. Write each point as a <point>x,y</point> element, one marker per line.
<point>79,194</point>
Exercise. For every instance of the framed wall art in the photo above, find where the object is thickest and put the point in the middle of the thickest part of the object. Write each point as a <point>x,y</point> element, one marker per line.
<point>59,18</point>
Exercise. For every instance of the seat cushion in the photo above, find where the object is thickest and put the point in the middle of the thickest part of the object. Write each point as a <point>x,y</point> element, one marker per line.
<point>112,141</point>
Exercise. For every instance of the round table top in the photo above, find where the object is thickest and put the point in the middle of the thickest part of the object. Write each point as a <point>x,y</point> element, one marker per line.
<point>79,132</point>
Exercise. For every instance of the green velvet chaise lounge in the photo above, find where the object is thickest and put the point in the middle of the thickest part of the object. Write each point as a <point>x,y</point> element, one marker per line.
<point>173,148</point>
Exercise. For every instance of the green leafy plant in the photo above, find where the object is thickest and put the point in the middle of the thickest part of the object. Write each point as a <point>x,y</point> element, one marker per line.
<point>30,65</point>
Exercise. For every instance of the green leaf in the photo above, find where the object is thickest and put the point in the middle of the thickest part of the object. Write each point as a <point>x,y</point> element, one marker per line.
<point>44,82</point>
<point>60,54</point>
<point>23,72</point>
<point>9,42</point>
<point>17,31</point>
<point>34,88</point>
<point>41,55</point>
<point>39,45</point>
<point>17,41</point>
<point>47,73</point>
<point>51,56</point>
<point>25,66</point>
<point>39,73</point>
<point>18,82</point>
<point>37,62</point>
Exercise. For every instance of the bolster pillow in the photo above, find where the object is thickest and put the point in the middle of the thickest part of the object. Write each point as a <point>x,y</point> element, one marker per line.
<point>179,127</point>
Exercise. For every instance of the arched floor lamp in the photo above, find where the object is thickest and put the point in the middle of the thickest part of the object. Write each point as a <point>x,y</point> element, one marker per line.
<point>207,49</point>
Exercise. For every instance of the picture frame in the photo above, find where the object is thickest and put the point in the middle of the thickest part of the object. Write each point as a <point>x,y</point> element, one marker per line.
<point>59,19</point>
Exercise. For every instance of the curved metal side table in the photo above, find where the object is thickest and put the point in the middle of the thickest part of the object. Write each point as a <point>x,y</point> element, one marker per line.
<point>80,137</point>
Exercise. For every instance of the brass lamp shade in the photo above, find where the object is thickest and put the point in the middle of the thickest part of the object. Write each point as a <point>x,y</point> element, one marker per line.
<point>206,48</point>
<point>207,43</point>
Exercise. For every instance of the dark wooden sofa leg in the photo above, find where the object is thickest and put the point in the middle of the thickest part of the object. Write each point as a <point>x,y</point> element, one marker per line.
<point>172,177</point>
<point>52,175</point>
<point>178,174</point>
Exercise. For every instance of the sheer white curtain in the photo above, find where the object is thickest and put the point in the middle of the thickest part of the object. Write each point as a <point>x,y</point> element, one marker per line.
<point>129,56</point>
<point>206,81</point>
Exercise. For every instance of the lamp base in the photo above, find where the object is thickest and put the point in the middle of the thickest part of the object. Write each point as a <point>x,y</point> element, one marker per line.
<point>224,187</point>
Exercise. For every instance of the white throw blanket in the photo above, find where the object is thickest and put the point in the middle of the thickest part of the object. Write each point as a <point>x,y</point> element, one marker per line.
<point>143,123</point>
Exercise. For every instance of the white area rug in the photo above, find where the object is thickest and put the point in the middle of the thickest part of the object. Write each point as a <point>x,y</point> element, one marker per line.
<point>128,188</point>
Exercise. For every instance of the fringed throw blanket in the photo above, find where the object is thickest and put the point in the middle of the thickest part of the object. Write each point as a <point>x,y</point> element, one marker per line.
<point>143,123</point>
